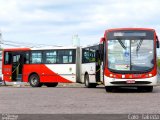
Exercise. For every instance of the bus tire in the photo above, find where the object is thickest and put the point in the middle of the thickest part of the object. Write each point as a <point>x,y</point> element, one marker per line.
<point>34,80</point>
<point>87,83</point>
<point>51,84</point>
<point>108,88</point>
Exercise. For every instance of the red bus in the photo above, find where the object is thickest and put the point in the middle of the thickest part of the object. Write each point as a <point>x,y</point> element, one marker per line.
<point>50,66</point>
<point>40,66</point>
<point>129,58</point>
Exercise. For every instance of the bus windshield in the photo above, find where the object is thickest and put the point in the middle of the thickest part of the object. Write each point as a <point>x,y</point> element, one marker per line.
<point>130,54</point>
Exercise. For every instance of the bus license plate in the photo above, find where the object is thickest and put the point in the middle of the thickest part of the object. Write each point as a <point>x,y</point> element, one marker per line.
<point>130,81</point>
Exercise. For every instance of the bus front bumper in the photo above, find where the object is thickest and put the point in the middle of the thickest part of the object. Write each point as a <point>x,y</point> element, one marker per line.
<point>152,81</point>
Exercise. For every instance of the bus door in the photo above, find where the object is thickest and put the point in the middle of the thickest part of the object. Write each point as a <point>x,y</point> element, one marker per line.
<point>98,66</point>
<point>17,65</point>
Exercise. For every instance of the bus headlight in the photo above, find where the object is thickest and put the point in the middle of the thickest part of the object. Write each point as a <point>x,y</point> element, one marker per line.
<point>147,75</point>
<point>123,76</point>
<point>111,75</point>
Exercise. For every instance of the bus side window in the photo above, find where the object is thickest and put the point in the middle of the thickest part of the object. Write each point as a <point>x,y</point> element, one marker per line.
<point>92,55</point>
<point>26,58</point>
<point>85,55</point>
<point>66,56</point>
<point>36,57</point>
<point>50,57</point>
<point>8,58</point>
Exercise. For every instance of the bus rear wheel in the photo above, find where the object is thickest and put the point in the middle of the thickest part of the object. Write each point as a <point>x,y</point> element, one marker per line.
<point>34,80</point>
<point>87,83</point>
<point>51,84</point>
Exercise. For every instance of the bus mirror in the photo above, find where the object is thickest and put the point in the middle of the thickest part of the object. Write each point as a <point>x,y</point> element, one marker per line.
<point>101,50</point>
<point>102,40</point>
<point>157,42</point>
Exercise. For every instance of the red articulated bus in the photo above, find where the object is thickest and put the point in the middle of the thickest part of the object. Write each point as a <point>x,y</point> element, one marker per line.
<point>50,66</point>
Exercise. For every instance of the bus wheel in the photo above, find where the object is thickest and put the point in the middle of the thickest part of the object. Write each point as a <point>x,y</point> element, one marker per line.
<point>87,83</point>
<point>108,88</point>
<point>51,84</point>
<point>35,81</point>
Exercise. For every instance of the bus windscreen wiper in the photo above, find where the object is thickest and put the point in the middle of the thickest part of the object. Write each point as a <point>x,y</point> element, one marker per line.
<point>121,43</point>
<point>138,46</point>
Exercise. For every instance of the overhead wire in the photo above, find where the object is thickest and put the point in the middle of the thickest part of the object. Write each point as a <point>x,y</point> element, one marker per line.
<point>24,44</point>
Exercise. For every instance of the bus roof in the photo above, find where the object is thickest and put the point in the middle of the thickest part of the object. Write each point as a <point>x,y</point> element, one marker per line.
<point>90,45</point>
<point>41,48</point>
<point>116,29</point>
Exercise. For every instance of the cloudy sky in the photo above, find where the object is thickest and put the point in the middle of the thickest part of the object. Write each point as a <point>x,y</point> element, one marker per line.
<point>54,22</point>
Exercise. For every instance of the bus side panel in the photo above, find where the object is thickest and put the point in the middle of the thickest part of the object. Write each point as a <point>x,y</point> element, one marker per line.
<point>64,72</point>
<point>89,68</point>
<point>7,73</point>
<point>28,69</point>
<point>49,73</point>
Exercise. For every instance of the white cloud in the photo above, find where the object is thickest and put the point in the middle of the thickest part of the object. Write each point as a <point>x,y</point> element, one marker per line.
<point>60,19</point>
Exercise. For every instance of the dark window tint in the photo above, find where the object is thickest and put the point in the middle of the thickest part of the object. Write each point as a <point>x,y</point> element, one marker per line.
<point>92,55</point>
<point>130,34</point>
<point>8,58</point>
<point>26,58</point>
<point>85,57</point>
<point>65,56</point>
<point>59,56</point>
<point>89,54</point>
<point>50,57</point>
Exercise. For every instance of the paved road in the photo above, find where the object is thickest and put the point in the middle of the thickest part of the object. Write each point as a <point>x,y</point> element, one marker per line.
<point>77,100</point>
